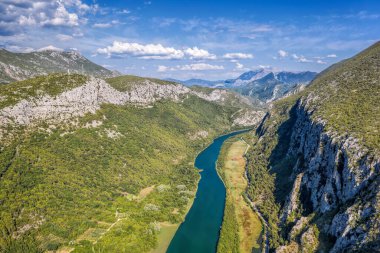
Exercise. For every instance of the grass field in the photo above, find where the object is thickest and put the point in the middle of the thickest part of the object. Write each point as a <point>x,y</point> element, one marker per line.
<point>166,234</point>
<point>248,226</point>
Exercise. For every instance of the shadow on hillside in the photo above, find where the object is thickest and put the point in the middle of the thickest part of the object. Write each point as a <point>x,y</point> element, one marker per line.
<point>280,163</point>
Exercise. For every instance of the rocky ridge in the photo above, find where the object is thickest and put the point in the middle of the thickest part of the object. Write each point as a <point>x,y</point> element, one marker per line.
<point>88,98</point>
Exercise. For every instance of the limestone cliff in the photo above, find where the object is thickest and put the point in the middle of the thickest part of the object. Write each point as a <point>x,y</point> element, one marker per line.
<point>336,179</point>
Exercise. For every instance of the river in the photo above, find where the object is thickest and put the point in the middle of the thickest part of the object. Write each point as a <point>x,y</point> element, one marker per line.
<point>199,232</point>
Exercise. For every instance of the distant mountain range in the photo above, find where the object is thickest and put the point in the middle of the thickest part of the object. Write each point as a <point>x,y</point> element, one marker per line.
<point>198,82</point>
<point>263,84</point>
<point>20,66</point>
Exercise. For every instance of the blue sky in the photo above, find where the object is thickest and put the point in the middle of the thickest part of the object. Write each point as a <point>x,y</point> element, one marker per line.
<point>194,39</point>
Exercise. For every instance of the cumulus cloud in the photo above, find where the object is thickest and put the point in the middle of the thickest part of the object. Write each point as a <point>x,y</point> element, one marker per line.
<point>331,56</point>
<point>16,16</point>
<point>237,56</point>
<point>190,67</point>
<point>148,51</point>
<point>196,53</point>
<point>155,51</point>
<point>321,62</point>
<point>282,53</point>
<point>62,17</point>
<point>23,20</point>
<point>300,58</point>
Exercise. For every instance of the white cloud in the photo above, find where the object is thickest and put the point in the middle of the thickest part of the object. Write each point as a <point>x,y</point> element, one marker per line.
<point>282,53</point>
<point>155,51</point>
<point>78,34</point>
<point>18,15</point>
<point>162,68</point>
<point>102,25</point>
<point>239,65</point>
<point>50,48</point>
<point>25,21</point>
<point>321,62</point>
<point>64,37</point>
<point>190,67</point>
<point>196,53</point>
<point>264,67</point>
<point>15,48</point>
<point>62,17</point>
<point>300,58</point>
<point>331,56</point>
<point>125,11</point>
<point>148,51</point>
<point>237,56</point>
<point>200,66</point>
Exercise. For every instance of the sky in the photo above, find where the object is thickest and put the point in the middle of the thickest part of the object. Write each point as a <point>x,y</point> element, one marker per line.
<point>194,39</point>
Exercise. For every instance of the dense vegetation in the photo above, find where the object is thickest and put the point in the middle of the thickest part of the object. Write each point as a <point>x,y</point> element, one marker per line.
<point>106,183</point>
<point>269,168</point>
<point>347,97</point>
<point>126,82</point>
<point>51,85</point>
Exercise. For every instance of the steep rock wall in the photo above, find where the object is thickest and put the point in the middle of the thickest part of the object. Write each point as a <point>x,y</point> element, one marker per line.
<point>340,181</point>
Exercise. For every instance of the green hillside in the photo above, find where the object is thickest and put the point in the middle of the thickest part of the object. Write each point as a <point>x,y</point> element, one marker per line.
<point>347,97</point>
<point>107,182</point>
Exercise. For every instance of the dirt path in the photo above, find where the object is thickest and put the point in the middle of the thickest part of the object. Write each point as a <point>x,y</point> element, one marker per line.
<point>253,206</point>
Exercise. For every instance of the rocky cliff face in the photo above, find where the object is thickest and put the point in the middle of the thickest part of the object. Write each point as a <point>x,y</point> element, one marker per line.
<point>336,182</point>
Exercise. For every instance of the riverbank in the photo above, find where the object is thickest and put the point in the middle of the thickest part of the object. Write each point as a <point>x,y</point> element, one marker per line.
<point>200,230</point>
<point>168,230</point>
<point>241,229</point>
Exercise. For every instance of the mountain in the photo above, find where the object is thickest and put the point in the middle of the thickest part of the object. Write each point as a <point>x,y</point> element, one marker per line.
<point>88,164</point>
<point>247,77</point>
<point>20,66</point>
<point>270,86</point>
<point>275,85</point>
<point>262,84</point>
<point>314,165</point>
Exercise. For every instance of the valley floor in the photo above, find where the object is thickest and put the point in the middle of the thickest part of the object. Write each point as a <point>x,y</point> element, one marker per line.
<point>242,229</point>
